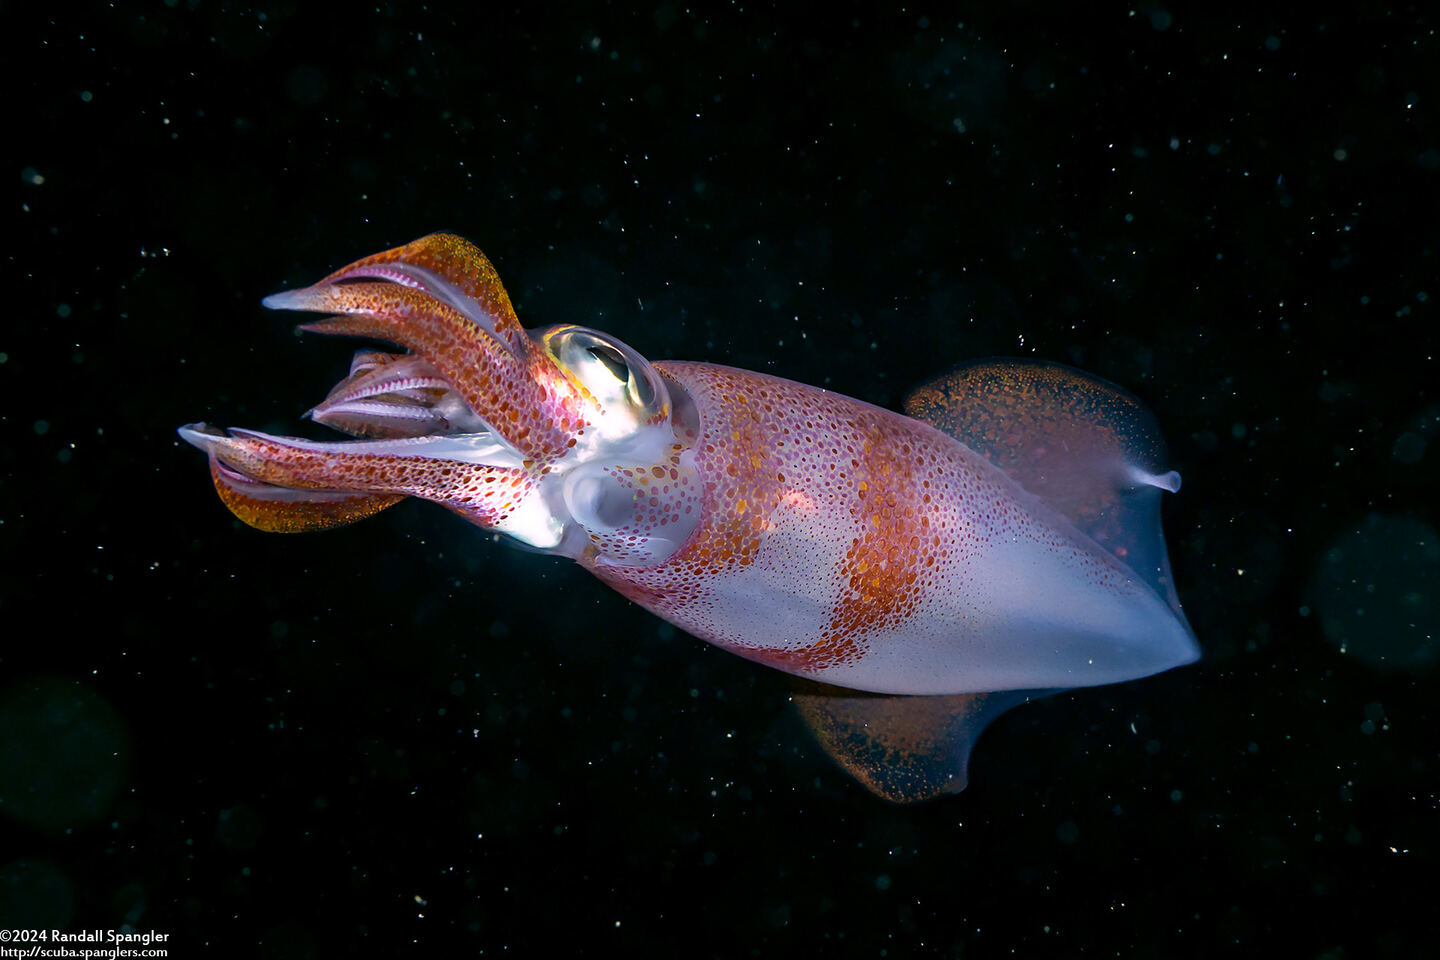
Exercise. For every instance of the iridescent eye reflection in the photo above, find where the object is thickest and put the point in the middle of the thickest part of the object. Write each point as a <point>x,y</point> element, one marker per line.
<point>623,384</point>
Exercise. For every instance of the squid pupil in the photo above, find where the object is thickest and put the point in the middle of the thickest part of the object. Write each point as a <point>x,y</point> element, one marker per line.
<point>613,361</point>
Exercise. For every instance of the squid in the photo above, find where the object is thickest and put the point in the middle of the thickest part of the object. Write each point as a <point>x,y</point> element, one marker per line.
<point>916,575</point>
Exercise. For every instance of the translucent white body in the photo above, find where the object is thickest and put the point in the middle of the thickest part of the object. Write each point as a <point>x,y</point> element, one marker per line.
<point>868,550</point>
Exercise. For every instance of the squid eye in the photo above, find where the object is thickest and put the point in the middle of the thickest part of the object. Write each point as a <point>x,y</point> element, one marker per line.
<point>616,376</point>
<point>612,360</point>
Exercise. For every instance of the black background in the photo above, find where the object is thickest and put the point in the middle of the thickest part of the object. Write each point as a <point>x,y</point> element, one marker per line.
<point>402,738</point>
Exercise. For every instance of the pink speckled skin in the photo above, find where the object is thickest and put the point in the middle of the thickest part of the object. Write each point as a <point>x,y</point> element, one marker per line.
<point>806,530</point>
<point>849,544</point>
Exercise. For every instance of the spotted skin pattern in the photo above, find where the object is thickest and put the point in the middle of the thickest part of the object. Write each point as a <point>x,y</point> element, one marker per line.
<point>246,499</point>
<point>665,495</point>
<point>456,259</point>
<point>862,525</point>
<point>509,393</point>
<point>923,583</point>
<point>482,494</point>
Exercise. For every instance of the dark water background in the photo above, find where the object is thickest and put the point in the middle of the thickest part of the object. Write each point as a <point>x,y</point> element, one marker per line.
<point>402,738</point>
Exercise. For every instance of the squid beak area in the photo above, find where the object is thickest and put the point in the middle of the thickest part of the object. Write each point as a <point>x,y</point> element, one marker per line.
<point>477,371</point>
<point>394,396</point>
<point>291,485</point>
<point>470,417</point>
